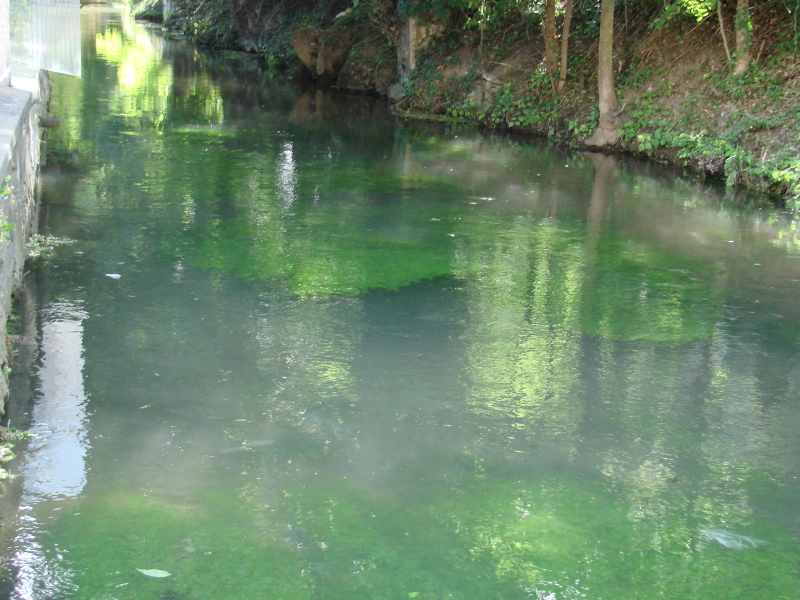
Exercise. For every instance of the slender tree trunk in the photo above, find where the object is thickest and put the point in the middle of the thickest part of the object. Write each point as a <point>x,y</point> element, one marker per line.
<point>550,43</point>
<point>606,133</point>
<point>744,36</point>
<point>722,31</point>
<point>167,9</point>
<point>562,78</point>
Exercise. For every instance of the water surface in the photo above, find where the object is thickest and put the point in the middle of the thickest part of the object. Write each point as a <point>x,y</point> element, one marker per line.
<point>301,350</point>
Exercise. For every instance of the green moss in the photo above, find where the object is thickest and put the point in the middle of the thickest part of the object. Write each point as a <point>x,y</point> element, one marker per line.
<point>505,537</point>
<point>211,550</point>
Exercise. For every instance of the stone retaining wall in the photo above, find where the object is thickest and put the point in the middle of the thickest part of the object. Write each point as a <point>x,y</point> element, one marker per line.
<point>21,105</point>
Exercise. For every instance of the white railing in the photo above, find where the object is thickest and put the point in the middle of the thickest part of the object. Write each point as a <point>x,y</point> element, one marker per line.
<point>46,34</point>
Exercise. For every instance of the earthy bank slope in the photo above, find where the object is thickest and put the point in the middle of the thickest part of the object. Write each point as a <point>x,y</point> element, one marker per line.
<point>681,102</point>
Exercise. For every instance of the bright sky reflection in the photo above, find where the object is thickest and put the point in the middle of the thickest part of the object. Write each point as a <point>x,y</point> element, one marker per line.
<point>54,467</point>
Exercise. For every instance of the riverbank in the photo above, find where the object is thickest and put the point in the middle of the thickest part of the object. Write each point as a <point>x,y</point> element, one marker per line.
<point>680,101</point>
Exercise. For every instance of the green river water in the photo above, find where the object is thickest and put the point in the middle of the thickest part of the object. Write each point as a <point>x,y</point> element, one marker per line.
<point>298,349</point>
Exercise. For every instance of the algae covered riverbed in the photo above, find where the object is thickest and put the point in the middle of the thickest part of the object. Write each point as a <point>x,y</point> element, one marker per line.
<point>301,350</point>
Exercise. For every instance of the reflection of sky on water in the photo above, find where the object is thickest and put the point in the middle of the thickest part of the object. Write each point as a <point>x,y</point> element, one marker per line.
<point>287,178</point>
<point>54,468</point>
<point>55,459</point>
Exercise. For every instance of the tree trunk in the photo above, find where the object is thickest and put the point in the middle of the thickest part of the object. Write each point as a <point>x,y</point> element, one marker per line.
<point>550,43</point>
<point>562,78</point>
<point>744,37</point>
<point>606,133</point>
<point>722,30</point>
<point>168,9</point>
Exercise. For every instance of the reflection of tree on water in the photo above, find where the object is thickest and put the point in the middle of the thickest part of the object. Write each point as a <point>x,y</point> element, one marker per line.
<point>604,166</point>
<point>312,344</point>
<point>327,110</point>
<point>523,343</point>
<point>633,428</point>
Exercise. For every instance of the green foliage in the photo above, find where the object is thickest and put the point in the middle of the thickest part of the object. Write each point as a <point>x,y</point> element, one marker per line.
<point>207,21</point>
<point>698,9</point>
<point>586,20</point>
<point>582,127</point>
<point>661,136</point>
<point>441,9</point>
<point>468,110</point>
<point>9,437</point>
<point>5,193</point>
<point>148,9</point>
<point>531,110</point>
<point>496,15</point>
<point>42,247</point>
<point>484,15</point>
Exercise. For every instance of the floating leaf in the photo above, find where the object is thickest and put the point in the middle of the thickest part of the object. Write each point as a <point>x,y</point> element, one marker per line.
<point>154,572</point>
<point>413,594</point>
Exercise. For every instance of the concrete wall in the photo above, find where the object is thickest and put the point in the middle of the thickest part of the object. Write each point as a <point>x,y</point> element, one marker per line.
<point>21,105</point>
